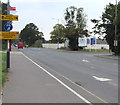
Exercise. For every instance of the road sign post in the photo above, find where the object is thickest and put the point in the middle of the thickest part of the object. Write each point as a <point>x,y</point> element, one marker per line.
<point>93,41</point>
<point>8,27</point>
<point>8,44</point>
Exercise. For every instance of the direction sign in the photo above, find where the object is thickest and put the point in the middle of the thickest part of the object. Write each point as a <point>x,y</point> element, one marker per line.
<point>9,17</point>
<point>12,8</point>
<point>8,27</point>
<point>92,41</point>
<point>9,35</point>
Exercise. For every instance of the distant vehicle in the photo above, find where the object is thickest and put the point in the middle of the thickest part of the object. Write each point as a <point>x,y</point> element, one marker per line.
<point>15,45</point>
<point>26,46</point>
<point>20,45</point>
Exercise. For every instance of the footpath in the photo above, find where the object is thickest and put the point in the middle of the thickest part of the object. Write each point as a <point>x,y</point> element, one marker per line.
<point>27,83</point>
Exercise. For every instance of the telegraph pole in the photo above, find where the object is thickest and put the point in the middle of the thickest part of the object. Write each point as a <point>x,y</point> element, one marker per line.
<point>58,34</point>
<point>115,41</point>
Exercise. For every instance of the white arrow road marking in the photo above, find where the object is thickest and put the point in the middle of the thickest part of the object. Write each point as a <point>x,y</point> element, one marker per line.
<point>101,79</point>
<point>85,60</point>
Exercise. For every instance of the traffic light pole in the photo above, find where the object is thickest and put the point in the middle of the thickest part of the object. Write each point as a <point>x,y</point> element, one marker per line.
<point>8,42</point>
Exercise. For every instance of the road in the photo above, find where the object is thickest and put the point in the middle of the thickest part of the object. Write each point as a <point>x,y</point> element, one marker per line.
<point>39,75</point>
<point>99,76</point>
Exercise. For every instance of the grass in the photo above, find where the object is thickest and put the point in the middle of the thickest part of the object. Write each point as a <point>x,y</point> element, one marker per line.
<point>3,74</point>
<point>88,50</point>
<point>95,51</point>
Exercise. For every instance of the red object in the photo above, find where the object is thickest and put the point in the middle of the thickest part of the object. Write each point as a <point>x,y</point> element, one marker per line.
<point>20,45</point>
<point>12,8</point>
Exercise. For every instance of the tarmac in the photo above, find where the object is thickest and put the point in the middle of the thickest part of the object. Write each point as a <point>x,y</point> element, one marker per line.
<point>27,83</point>
<point>30,84</point>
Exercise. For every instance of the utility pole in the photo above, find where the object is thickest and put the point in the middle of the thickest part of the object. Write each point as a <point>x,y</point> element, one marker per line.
<point>58,34</point>
<point>8,42</point>
<point>115,41</point>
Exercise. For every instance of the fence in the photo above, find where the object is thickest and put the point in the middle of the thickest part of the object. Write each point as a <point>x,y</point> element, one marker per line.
<point>97,46</point>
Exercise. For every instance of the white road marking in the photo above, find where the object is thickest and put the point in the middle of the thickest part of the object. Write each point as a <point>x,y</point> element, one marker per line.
<point>74,92</point>
<point>101,79</point>
<point>16,52</point>
<point>85,61</point>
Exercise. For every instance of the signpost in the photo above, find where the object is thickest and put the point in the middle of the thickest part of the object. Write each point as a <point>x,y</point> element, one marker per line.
<point>12,8</point>
<point>9,17</point>
<point>9,35</point>
<point>93,42</point>
<point>82,42</point>
<point>8,27</point>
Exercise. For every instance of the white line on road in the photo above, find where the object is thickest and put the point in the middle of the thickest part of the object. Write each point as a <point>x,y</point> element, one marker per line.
<point>74,92</point>
<point>101,79</point>
<point>85,61</point>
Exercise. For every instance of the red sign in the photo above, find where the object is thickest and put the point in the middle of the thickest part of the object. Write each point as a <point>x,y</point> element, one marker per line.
<point>12,8</point>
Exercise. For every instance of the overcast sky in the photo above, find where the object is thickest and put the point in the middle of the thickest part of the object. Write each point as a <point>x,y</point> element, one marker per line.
<point>45,13</point>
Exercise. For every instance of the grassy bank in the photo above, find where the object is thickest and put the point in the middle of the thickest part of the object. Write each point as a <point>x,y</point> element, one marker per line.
<point>88,50</point>
<point>3,74</point>
<point>95,51</point>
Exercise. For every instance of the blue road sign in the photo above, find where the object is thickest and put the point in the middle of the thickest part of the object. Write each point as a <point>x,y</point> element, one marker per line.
<point>92,41</point>
<point>8,27</point>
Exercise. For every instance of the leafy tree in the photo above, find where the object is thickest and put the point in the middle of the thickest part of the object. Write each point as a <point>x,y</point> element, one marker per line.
<point>106,26</point>
<point>75,25</point>
<point>30,34</point>
<point>58,33</point>
<point>3,11</point>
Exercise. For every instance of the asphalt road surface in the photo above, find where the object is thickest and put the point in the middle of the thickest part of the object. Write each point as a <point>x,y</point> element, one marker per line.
<point>39,75</point>
<point>98,76</point>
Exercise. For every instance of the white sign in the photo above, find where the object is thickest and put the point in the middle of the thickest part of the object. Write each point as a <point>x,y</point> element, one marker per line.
<point>82,42</point>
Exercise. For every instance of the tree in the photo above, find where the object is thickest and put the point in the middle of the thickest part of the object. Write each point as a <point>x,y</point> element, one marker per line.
<point>30,34</point>
<point>106,26</point>
<point>3,11</point>
<point>58,33</point>
<point>75,26</point>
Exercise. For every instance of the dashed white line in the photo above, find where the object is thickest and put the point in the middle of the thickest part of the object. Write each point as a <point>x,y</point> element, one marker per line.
<point>85,61</point>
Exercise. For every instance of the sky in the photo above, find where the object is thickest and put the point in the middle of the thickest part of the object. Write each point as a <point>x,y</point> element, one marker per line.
<point>46,13</point>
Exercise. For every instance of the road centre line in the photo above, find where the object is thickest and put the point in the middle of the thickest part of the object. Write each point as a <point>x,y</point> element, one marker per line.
<point>70,89</point>
<point>85,61</point>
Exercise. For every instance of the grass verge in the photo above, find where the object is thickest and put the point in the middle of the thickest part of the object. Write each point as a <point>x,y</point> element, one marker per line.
<point>95,51</point>
<point>3,74</point>
<point>88,50</point>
